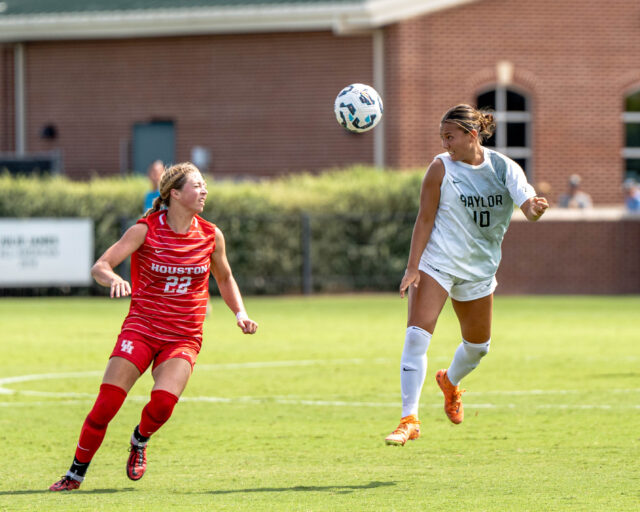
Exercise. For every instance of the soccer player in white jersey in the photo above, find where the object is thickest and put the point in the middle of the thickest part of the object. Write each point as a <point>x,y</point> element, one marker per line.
<point>466,202</point>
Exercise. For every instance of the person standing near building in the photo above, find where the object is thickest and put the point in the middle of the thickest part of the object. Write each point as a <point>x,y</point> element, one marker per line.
<point>631,195</point>
<point>154,172</point>
<point>172,251</point>
<point>466,202</point>
<point>575,197</point>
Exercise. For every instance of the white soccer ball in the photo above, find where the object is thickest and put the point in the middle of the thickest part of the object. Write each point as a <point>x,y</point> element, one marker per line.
<point>358,108</point>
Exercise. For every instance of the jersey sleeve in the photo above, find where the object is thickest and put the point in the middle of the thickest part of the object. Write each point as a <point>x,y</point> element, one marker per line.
<point>143,220</point>
<point>516,182</point>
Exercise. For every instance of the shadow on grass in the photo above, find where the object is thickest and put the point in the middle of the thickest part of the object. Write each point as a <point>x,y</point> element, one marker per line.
<point>47,491</point>
<point>339,489</point>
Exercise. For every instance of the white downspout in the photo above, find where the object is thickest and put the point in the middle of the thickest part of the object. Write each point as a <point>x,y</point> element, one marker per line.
<point>378,85</point>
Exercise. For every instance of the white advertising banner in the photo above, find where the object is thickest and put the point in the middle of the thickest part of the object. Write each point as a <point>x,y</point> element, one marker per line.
<point>45,252</point>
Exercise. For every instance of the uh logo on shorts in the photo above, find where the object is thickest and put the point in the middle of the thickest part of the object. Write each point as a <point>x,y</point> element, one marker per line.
<point>126,346</point>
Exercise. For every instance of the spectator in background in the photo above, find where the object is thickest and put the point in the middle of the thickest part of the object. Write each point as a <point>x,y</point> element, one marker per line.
<point>631,195</point>
<point>575,198</point>
<point>154,172</point>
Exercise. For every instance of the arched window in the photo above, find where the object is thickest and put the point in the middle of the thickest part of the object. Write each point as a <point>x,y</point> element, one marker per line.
<point>631,151</point>
<point>513,124</point>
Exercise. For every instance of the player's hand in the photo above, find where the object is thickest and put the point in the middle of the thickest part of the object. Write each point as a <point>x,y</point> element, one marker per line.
<point>120,288</point>
<point>248,326</point>
<point>411,278</point>
<point>245,323</point>
<point>539,206</point>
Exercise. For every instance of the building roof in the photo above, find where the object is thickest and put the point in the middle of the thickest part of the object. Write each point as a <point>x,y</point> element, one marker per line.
<point>22,7</point>
<point>26,20</point>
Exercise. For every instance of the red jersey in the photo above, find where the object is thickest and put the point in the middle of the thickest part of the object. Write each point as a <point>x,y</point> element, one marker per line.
<point>170,280</point>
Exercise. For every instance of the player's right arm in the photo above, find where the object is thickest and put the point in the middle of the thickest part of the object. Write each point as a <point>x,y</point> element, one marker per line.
<point>102,270</point>
<point>429,201</point>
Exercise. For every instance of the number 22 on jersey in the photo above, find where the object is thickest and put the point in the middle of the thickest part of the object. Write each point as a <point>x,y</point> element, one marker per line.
<point>177,284</point>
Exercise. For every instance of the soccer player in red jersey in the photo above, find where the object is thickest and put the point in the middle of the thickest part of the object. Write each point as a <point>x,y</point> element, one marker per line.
<point>172,251</point>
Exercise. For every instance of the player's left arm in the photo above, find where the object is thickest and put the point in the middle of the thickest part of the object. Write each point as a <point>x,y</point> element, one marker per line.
<point>534,207</point>
<point>221,271</point>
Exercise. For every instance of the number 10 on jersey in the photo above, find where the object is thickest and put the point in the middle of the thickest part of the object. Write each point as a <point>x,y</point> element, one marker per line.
<point>482,219</point>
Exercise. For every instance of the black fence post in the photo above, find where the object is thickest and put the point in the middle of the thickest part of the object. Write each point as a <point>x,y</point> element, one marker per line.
<point>307,275</point>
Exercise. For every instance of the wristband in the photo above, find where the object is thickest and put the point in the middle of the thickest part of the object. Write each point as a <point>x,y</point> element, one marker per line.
<point>242,315</point>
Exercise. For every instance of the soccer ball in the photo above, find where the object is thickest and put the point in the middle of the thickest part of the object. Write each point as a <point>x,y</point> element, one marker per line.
<point>358,108</point>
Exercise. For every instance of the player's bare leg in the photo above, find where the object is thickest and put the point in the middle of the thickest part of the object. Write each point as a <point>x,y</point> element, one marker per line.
<point>475,317</point>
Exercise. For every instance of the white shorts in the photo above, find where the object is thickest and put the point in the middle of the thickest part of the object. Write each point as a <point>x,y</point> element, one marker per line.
<point>459,289</point>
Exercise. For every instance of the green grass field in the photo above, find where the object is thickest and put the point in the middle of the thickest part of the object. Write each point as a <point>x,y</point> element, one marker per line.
<point>294,418</point>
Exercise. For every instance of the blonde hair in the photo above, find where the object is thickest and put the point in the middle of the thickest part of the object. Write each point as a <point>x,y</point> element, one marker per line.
<point>469,118</point>
<point>172,177</point>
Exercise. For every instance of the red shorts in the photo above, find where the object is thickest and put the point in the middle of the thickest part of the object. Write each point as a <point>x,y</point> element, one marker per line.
<point>141,350</point>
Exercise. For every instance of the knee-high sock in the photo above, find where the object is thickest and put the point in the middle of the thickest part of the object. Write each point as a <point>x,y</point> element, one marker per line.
<point>413,368</point>
<point>157,411</point>
<point>108,403</point>
<point>466,358</point>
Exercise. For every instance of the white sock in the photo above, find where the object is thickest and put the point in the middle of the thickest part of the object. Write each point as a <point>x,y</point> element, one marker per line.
<point>135,442</point>
<point>413,368</point>
<point>466,358</point>
<point>75,476</point>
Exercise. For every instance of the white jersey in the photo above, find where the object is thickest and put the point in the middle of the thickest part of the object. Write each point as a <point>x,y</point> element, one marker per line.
<point>476,204</point>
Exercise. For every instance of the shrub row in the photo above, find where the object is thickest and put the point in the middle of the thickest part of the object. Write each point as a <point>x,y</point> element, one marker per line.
<point>338,231</point>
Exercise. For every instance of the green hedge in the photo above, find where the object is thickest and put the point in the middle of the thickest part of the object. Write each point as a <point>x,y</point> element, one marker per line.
<point>358,222</point>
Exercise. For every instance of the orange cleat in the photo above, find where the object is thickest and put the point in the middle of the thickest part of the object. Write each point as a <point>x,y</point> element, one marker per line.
<point>66,484</point>
<point>452,397</point>
<point>408,430</point>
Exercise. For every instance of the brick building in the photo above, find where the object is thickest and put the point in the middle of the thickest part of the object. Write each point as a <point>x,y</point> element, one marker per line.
<point>251,83</point>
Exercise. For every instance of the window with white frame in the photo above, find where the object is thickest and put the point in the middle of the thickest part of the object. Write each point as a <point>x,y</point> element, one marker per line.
<point>512,113</point>
<point>631,150</point>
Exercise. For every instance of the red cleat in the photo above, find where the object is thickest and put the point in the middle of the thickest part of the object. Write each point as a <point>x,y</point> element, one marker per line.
<point>66,484</point>
<point>137,463</point>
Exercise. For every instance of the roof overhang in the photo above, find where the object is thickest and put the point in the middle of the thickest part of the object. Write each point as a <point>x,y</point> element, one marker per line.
<point>342,18</point>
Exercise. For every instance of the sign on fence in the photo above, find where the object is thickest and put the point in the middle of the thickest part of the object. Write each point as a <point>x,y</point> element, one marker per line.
<point>45,252</point>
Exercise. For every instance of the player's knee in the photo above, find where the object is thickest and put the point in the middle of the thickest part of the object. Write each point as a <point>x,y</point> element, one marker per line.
<point>477,350</point>
<point>107,405</point>
<point>161,405</point>
<point>416,341</point>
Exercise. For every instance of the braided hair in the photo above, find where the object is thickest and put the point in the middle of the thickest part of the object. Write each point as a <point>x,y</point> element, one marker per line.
<point>172,177</point>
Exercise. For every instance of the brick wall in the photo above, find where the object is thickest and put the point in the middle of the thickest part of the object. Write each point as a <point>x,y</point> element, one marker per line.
<point>575,58</point>
<point>262,104</point>
<point>571,257</point>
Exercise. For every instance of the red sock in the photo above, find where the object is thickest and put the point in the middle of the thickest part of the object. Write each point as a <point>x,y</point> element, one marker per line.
<point>157,411</point>
<point>108,403</point>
